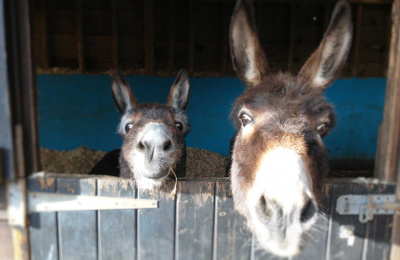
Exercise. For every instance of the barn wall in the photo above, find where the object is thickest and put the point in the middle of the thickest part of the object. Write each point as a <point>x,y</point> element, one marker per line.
<point>77,110</point>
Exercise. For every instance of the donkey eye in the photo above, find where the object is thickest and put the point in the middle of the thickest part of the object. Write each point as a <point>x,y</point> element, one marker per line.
<point>179,126</point>
<point>245,119</point>
<point>128,127</point>
<point>321,129</point>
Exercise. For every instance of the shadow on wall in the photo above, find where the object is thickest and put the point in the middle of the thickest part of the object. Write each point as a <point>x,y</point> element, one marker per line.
<point>77,110</point>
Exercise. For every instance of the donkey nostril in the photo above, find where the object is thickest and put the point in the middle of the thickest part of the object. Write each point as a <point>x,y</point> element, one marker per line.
<point>308,211</point>
<point>167,145</point>
<point>140,146</point>
<point>265,210</point>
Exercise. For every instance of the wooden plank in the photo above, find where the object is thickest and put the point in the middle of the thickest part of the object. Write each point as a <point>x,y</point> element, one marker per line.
<point>80,37</point>
<point>316,246</point>
<point>191,36</point>
<point>77,230</point>
<point>43,226</point>
<point>171,36</point>
<point>387,155</point>
<point>292,36</point>
<point>6,246</point>
<point>117,228</point>
<point>378,235</point>
<point>346,233</point>
<point>115,55</point>
<point>149,36</point>
<point>194,220</point>
<point>357,37</point>
<point>232,238</point>
<point>156,235</point>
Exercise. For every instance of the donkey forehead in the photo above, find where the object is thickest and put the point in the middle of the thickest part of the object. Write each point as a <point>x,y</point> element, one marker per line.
<point>151,111</point>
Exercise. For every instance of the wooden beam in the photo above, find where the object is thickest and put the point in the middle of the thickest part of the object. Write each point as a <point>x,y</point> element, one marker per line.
<point>115,55</point>
<point>80,37</point>
<point>387,155</point>
<point>171,37</point>
<point>191,36</point>
<point>224,37</point>
<point>357,38</point>
<point>292,36</point>
<point>44,38</point>
<point>149,36</point>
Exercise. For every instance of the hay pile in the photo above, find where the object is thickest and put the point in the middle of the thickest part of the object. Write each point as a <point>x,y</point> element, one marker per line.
<point>199,163</point>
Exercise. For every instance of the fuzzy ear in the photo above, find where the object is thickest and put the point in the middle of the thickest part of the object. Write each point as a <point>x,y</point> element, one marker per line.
<point>326,63</point>
<point>248,58</point>
<point>122,94</point>
<point>180,91</point>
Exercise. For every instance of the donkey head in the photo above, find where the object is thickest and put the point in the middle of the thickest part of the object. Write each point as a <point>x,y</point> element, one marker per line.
<point>278,157</point>
<point>153,134</point>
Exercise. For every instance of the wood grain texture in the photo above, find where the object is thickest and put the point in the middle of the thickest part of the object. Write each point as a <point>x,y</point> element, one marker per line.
<point>194,218</point>
<point>77,230</point>
<point>387,157</point>
<point>156,234</point>
<point>232,239</point>
<point>117,228</point>
<point>43,226</point>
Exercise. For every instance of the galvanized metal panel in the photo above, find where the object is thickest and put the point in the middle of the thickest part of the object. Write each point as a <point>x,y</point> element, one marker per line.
<point>232,239</point>
<point>77,230</point>
<point>117,228</point>
<point>195,217</point>
<point>156,227</point>
<point>43,235</point>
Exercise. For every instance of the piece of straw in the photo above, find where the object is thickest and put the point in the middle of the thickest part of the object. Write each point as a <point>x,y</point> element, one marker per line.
<point>173,192</point>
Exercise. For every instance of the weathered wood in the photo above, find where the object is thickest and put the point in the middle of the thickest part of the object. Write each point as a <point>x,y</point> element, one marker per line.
<point>194,218</point>
<point>77,230</point>
<point>395,250</point>
<point>232,239</point>
<point>149,36</point>
<point>387,154</point>
<point>357,38</point>
<point>117,228</point>
<point>346,233</point>
<point>191,36</point>
<point>292,36</point>
<point>171,36</point>
<point>317,244</point>
<point>379,230</point>
<point>80,37</point>
<point>6,246</point>
<point>115,53</point>
<point>156,235</point>
<point>43,226</point>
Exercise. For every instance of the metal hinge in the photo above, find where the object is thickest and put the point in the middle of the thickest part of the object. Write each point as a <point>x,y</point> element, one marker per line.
<point>366,206</point>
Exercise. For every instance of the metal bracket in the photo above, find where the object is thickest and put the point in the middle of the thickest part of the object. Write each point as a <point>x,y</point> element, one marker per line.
<point>366,206</point>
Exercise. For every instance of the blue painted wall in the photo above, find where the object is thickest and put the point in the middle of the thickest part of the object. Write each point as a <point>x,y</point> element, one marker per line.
<point>78,110</point>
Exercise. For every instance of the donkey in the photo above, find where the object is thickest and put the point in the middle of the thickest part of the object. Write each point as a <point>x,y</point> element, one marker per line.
<point>153,134</point>
<point>278,157</point>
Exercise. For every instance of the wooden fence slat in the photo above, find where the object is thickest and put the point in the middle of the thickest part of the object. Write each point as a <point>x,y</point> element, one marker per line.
<point>77,230</point>
<point>316,246</point>
<point>195,215</point>
<point>117,228</point>
<point>379,230</point>
<point>346,232</point>
<point>43,234</point>
<point>156,235</point>
<point>232,239</point>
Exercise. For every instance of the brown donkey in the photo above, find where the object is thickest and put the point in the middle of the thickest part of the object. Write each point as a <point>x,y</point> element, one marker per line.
<point>154,134</point>
<point>278,157</point>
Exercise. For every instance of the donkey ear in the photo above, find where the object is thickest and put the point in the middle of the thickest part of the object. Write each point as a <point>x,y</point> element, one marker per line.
<point>326,63</point>
<point>180,91</point>
<point>122,94</point>
<point>248,58</point>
